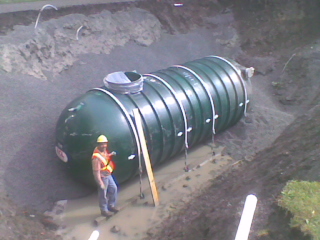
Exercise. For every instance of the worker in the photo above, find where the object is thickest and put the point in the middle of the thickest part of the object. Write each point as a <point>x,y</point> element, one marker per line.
<point>103,166</point>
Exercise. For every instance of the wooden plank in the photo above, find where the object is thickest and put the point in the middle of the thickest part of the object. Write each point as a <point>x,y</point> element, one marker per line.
<point>146,157</point>
<point>98,220</point>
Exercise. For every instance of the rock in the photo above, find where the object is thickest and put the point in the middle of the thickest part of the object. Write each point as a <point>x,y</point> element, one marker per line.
<point>185,185</point>
<point>58,209</point>
<point>49,223</point>
<point>188,178</point>
<point>248,158</point>
<point>115,229</point>
<point>150,233</point>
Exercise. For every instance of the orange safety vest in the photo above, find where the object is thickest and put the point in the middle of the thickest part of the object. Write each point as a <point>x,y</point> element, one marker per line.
<point>106,160</point>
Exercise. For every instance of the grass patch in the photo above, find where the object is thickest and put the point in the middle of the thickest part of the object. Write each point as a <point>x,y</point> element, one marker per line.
<point>18,1</point>
<point>302,199</point>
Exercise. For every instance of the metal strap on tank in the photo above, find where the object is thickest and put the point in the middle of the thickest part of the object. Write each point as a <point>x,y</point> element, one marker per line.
<point>135,133</point>
<point>207,91</point>
<point>174,93</point>
<point>242,81</point>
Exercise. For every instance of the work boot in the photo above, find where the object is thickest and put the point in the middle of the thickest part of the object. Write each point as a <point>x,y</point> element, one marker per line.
<point>106,213</point>
<point>113,209</point>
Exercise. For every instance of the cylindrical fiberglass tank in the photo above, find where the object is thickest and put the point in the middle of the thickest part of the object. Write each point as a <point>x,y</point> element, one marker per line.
<point>180,107</point>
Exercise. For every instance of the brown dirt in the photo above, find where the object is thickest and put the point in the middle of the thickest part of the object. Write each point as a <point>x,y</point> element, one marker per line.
<point>215,212</point>
<point>23,223</point>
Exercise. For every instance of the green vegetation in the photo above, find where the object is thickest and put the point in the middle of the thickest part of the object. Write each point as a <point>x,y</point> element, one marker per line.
<point>18,1</point>
<point>263,233</point>
<point>302,199</point>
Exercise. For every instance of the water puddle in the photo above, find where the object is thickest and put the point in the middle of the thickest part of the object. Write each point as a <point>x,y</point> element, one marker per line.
<point>175,187</point>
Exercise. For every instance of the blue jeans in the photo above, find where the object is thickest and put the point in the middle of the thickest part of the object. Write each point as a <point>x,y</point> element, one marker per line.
<point>108,196</point>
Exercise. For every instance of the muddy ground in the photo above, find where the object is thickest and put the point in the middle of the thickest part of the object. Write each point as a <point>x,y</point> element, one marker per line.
<point>277,141</point>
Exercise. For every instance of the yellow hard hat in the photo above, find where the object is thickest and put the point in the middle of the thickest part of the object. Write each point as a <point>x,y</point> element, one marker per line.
<point>102,139</point>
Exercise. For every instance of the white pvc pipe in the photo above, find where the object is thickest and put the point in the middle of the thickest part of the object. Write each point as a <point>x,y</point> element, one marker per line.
<point>94,235</point>
<point>78,30</point>
<point>246,218</point>
<point>45,6</point>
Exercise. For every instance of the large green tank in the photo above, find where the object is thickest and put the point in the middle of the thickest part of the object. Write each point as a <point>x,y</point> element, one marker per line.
<point>180,107</point>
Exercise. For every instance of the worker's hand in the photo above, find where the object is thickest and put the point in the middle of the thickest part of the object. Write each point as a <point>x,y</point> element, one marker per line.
<point>102,186</point>
<point>113,153</point>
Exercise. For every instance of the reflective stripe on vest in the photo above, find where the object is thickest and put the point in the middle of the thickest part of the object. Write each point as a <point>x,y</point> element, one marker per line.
<point>108,165</point>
